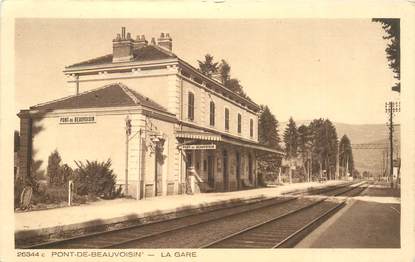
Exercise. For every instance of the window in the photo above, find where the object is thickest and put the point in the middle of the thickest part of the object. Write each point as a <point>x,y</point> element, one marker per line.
<point>226,119</point>
<point>212,113</point>
<point>251,128</point>
<point>191,106</point>
<point>239,123</point>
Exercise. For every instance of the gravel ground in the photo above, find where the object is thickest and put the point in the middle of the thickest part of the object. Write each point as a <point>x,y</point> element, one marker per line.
<point>196,236</point>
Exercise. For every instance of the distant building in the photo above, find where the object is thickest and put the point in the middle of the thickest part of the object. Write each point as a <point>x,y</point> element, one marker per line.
<point>176,120</point>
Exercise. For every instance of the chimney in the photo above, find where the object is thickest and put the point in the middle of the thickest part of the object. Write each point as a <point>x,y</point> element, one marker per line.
<point>140,42</point>
<point>165,41</point>
<point>122,47</point>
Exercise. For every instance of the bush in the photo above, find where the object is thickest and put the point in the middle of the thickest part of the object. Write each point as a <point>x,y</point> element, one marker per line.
<point>58,174</point>
<point>92,180</point>
<point>18,188</point>
<point>96,179</point>
<point>52,195</point>
<point>20,184</point>
<point>261,180</point>
<point>66,173</point>
<point>54,164</point>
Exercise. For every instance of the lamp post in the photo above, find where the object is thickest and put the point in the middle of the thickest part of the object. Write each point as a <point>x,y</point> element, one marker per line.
<point>391,108</point>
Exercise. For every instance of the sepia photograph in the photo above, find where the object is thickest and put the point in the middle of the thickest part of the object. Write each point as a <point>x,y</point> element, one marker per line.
<point>158,137</point>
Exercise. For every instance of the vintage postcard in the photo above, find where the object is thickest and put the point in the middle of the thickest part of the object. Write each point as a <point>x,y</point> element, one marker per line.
<point>207,130</point>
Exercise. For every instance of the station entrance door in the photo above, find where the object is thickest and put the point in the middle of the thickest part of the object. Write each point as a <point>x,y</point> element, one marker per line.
<point>159,171</point>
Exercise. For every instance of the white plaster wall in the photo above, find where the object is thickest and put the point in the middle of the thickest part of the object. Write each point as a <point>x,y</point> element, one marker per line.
<point>95,141</point>
<point>154,87</point>
<point>202,111</point>
<point>170,172</point>
<point>165,90</point>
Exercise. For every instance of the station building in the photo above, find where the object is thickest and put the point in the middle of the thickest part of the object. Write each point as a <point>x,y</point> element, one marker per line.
<point>154,115</point>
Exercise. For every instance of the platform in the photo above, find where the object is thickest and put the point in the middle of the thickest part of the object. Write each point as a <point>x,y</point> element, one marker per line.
<point>101,215</point>
<point>371,220</point>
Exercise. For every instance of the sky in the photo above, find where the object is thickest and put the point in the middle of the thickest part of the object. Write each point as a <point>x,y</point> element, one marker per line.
<point>300,68</point>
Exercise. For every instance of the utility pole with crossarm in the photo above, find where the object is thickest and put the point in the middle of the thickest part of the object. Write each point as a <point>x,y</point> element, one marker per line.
<point>391,108</point>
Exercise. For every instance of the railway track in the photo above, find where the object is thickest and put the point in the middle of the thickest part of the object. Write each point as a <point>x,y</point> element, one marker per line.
<point>350,190</point>
<point>322,191</point>
<point>123,237</point>
<point>355,191</point>
<point>288,229</point>
<point>117,237</point>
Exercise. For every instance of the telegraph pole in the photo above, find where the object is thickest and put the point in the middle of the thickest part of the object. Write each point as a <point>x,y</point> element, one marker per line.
<point>337,175</point>
<point>391,108</point>
<point>127,135</point>
<point>391,142</point>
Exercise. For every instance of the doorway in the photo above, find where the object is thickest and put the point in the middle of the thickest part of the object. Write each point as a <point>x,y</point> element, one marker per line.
<point>225,171</point>
<point>159,159</point>
<point>211,175</point>
<point>250,167</point>
<point>238,170</point>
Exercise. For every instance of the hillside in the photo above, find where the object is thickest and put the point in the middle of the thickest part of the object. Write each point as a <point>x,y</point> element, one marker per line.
<point>365,159</point>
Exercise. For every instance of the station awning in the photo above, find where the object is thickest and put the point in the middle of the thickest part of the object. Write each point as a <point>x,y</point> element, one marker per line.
<point>198,135</point>
<point>208,136</point>
<point>255,146</point>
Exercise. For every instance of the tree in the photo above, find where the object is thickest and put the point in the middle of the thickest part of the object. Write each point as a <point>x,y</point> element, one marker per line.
<point>208,67</point>
<point>231,83</point>
<point>324,146</point>
<point>315,128</point>
<point>332,148</point>
<point>234,85</point>
<point>303,140</point>
<point>53,169</point>
<point>224,71</point>
<point>304,146</point>
<point>291,139</point>
<point>393,50</point>
<point>268,135</point>
<point>346,155</point>
<point>268,129</point>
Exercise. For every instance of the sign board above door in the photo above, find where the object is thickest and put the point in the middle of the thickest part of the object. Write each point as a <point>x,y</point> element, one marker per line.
<point>198,147</point>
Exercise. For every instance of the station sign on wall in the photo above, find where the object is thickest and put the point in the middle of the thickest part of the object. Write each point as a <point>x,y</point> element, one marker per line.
<point>84,119</point>
<point>198,147</point>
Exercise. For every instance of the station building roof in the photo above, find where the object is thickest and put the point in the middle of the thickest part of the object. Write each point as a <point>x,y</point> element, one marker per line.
<point>112,95</point>
<point>146,53</point>
<point>153,52</point>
